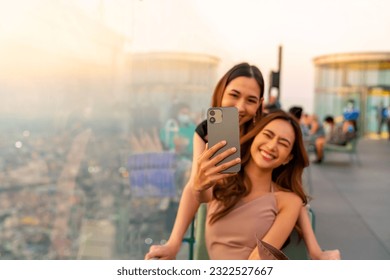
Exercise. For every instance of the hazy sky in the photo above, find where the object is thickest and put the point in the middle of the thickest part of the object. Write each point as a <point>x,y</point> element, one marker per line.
<point>252,30</point>
<point>237,30</point>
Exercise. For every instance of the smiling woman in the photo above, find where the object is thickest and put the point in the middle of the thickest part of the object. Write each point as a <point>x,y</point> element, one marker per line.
<point>273,143</point>
<point>265,198</point>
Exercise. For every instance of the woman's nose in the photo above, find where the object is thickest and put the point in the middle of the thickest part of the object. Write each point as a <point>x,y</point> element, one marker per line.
<point>240,105</point>
<point>272,143</point>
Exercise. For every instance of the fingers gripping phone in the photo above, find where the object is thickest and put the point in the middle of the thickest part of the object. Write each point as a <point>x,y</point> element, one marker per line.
<point>223,124</point>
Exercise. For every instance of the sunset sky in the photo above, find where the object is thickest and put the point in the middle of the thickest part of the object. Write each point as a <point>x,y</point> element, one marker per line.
<point>252,30</point>
<point>235,31</point>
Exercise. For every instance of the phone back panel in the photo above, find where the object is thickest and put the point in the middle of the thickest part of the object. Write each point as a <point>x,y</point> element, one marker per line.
<point>223,124</point>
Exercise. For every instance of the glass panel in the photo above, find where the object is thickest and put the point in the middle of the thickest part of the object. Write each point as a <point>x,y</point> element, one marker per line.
<point>384,77</point>
<point>328,104</point>
<point>372,77</point>
<point>355,77</point>
<point>95,142</point>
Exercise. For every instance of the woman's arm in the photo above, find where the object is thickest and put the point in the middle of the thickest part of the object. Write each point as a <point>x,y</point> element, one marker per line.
<point>204,174</point>
<point>187,209</point>
<point>314,127</point>
<point>289,205</point>
<point>310,239</point>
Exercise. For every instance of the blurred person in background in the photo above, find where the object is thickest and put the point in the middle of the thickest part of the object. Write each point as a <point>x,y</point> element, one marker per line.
<point>273,103</point>
<point>316,129</point>
<point>387,115</point>
<point>297,112</point>
<point>177,133</point>
<point>339,135</point>
<point>351,112</point>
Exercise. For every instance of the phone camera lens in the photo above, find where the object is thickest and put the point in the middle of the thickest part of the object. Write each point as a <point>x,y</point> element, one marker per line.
<point>212,120</point>
<point>212,113</point>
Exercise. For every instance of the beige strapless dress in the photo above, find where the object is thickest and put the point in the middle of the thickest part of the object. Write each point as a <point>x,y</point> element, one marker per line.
<point>233,237</point>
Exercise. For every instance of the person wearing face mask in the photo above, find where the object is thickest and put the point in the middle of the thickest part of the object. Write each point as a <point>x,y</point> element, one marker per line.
<point>177,134</point>
<point>351,113</point>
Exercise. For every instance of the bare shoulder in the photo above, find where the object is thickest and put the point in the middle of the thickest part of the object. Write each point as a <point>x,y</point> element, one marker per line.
<point>287,198</point>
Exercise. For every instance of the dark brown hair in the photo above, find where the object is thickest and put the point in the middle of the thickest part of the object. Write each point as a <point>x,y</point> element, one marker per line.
<point>288,177</point>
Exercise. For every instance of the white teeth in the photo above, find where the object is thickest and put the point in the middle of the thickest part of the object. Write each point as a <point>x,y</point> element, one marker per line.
<point>266,155</point>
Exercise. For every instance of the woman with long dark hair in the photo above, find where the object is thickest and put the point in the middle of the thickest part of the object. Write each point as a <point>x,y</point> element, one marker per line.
<point>264,199</point>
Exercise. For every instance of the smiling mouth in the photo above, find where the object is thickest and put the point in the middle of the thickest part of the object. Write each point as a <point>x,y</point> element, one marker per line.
<point>266,155</point>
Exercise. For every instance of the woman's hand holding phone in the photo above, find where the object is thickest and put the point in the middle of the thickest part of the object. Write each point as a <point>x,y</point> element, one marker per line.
<point>208,172</point>
<point>223,125</point>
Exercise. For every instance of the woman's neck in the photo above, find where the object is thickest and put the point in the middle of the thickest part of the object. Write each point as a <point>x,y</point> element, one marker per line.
<point>260,179</point>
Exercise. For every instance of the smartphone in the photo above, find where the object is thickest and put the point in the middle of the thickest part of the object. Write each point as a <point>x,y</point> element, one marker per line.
<point>223,124</point>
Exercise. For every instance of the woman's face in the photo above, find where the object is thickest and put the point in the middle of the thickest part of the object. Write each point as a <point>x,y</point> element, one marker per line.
<point>273,145</point>
<point>244,94</point>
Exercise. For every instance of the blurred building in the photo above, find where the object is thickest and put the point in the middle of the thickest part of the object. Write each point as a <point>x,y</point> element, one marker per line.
<point>159,80</point>
<point>159,83</point>
<point>362,77</point>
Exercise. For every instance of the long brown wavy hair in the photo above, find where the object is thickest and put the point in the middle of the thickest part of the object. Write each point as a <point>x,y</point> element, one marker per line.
<point>288,177</point>
<point>243,69</point>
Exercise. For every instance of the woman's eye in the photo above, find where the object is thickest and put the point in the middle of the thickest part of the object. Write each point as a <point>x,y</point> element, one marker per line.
<point>284,144</point>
